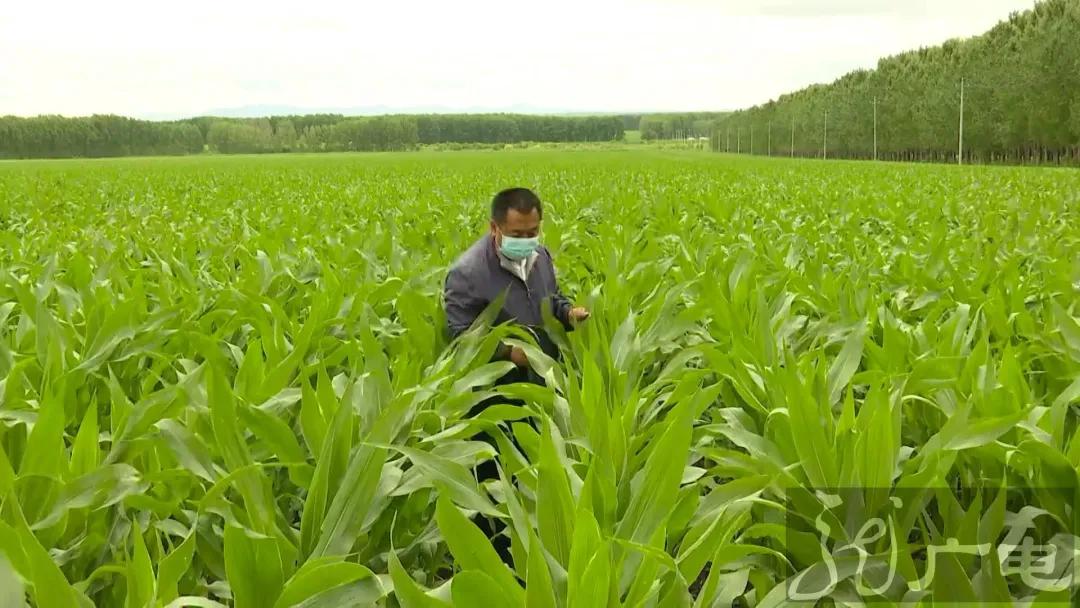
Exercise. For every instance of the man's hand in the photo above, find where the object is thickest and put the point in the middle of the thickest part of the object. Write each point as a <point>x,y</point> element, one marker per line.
<point>578,314</point>
<point>518,357</point>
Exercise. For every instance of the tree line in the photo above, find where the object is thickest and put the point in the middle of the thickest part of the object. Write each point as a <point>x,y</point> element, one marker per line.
<point>108,135</point>
<point>1021,101</point>
<point>95,136</point>
<point>680,125</point>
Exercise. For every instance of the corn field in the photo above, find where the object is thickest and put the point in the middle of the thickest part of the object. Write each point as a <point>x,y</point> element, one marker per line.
<point>225,382</point>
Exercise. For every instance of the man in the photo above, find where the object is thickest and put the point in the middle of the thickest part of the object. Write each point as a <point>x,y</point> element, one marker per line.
<point>509,259</point>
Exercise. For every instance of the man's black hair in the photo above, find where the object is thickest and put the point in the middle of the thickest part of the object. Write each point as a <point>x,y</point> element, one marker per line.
<point>522,200</point>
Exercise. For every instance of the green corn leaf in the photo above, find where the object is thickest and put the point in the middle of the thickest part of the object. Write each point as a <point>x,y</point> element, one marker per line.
<point>452,477</point>
<point>596,579</point>
<point>12,589</point>
<point>473,551</point>
<point>346,513</point>
<point>85,452</point>
<point>365,592</point>
<point>104,487</point>
<point>586,544</point>
<point>846,364</point>
<point>982,432</point>
<point>1068,327</point>
<point>255,567</point>
<point>724,495</point>
<point>658,490</point>
<point>555,505</point>
<point>312,420</point>
<point>140,573</point>
<point>1058,412</point>
<point>317,576</point>
<point>809,433</point>
<point>408,593</point>
<point>173,567</point>
<point>958,591</point>
<point>330,469</point>
<point>877,438</point>
<point>475,589</point>
<point>48,586</point>
<point>45,447</point>
<point>235,453</point>
<point>274,432</point>
<point>481,376</point>
<point>189,449</point>
<point>194,602</point>
<point>539,588</point>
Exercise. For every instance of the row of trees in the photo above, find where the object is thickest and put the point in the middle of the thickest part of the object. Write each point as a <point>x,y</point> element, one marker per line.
<point>106,135</point>
<point>95,136</point>
<point>678,126</point>
<point>509,128</point>
<point>1021,101</point>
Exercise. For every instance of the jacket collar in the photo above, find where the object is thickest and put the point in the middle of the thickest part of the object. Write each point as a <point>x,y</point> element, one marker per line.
<point>511,266</point>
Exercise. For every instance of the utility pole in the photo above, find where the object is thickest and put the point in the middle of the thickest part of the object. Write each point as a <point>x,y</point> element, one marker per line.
<point>960,153</point>
<point>875,128</point>
<point>727,146</point>
<point>825,138</point>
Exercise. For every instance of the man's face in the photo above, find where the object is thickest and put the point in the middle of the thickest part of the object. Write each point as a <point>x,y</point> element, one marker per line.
<point>517,224</point>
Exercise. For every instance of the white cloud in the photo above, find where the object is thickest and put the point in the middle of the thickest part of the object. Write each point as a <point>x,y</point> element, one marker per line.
<point>121,56</point>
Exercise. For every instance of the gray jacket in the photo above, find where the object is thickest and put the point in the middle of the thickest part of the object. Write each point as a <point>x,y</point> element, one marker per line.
<point>479,276</point>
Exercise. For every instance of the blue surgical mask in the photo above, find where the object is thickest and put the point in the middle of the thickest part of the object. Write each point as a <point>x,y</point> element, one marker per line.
<point>517,248</point>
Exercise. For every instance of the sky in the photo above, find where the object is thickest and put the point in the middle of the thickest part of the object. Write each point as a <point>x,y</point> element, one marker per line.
<point>174,58</point>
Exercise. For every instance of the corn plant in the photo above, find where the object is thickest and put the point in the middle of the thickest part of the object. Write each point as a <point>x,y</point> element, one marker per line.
<point>224,382</point>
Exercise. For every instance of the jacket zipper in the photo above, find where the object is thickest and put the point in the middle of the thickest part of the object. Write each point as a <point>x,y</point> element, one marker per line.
<point>525,281</point>
<point>528,292</point>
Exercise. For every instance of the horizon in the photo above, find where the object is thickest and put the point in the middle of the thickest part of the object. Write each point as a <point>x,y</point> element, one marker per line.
<point>681,56</point>
<point>254,112</point>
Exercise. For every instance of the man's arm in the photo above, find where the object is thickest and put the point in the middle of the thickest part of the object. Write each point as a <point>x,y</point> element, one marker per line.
<point>463,305</point>
<point>460,301</point>
<point>561,306</point>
